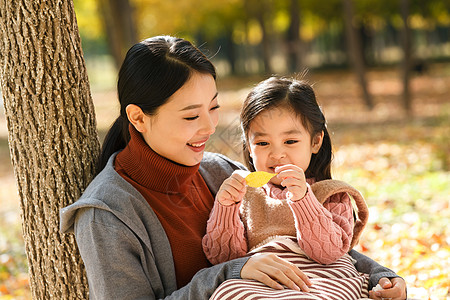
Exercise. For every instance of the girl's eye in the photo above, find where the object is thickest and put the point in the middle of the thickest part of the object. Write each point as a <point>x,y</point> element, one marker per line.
<point>290,142</point>
<point>261,143</point>
<point>191,118</point>
<point>215,107</point>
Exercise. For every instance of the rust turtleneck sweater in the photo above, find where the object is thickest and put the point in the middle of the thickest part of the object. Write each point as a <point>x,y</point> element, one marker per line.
<point>177,194</point>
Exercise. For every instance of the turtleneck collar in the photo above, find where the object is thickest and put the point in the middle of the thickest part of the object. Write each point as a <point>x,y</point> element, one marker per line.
<point>150,169</point>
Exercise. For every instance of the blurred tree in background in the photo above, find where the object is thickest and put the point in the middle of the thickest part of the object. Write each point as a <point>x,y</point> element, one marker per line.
<point>355,49</point>
<point>120,28</point>
<point>284,36</point>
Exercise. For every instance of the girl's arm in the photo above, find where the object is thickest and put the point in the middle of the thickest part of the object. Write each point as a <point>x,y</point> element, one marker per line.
<point>325,231</point>
<point>224,239</point>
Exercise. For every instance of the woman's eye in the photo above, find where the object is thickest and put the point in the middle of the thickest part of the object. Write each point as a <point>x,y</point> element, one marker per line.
<point>290,142</point>
<point>196,117</point>
<point>191,118</point>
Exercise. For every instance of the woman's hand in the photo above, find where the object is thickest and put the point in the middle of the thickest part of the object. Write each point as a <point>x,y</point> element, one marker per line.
<point>232,190</point>
<point>394,289</point>
<point>293,178</point>
<point>274,271</point>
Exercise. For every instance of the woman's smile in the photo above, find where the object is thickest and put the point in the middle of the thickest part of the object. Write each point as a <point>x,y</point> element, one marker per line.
<point>198,146</point>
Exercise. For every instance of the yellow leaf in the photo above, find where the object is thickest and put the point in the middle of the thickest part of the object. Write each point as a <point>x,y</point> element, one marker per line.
<point>259,178</point>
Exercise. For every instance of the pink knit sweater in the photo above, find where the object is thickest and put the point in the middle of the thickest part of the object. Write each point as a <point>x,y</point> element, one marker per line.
<point>324,232</point>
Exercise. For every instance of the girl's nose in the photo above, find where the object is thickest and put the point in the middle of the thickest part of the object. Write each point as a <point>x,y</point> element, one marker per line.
<point>277,153</point>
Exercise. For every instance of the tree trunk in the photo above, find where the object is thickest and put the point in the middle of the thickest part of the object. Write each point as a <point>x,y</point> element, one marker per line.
<point>355,51</point>
<point>265,43</point>
<point>246,48</point>
<point>230,51</point>
<point>262,8</point>
<point>120,28</point>
<point>406,65</point>
<point>52,134</point>
<point>293,41</point>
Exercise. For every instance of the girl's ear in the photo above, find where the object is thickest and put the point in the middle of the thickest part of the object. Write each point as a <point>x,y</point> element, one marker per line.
<point>136,117</point>
<point>317,142</point>
<point>248,148</point>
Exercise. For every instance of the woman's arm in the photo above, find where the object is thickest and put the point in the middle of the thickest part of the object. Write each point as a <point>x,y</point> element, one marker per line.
<point>394,286</point>
<point>205,281</point>
<point>119,266</point>
<point>367,265</point>
<point>112,257</point>
<point>224,239</point>
<point>325,231</point>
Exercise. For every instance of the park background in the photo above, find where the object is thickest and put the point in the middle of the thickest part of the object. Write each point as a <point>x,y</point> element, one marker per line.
<point>391,143</point>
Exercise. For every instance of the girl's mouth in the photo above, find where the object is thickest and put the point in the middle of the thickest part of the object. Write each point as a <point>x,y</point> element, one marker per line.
<point>272,168</point>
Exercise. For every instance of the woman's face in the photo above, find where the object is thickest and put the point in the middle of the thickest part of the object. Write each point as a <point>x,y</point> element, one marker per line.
<point>181,127</point>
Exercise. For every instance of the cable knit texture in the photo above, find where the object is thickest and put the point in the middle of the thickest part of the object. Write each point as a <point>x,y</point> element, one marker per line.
<point>224,239</point>
<point>324,232</point>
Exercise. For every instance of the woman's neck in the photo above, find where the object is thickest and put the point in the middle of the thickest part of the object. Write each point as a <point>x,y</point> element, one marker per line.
<point>151,170</point>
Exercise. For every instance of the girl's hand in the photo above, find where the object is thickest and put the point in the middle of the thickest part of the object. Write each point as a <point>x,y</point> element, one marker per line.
<point>232,190</point>
<point>274,271</point>
<point>394,289</point>
<point>293,178</point>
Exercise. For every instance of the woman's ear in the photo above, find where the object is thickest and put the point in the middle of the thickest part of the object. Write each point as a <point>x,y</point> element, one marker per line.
<point>317,142</point>
<point>136,117</point>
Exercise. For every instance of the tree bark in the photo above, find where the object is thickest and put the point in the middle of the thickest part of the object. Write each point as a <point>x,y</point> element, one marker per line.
<point>355,51</point>
<point>52,134</point>
<point>120,27</point>
<point>406,65</point>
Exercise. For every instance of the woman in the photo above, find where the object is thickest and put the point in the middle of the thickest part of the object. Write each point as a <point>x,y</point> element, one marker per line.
<point>140,222</point>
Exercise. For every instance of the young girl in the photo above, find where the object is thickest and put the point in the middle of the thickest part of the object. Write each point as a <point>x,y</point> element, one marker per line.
<point>285,133</point>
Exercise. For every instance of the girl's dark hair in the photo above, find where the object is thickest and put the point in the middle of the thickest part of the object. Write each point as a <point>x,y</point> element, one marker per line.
<point>152,71</point>
<point>299,96</point>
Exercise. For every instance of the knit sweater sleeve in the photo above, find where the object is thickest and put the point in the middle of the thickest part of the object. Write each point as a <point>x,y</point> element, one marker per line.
<point>224,239</point>
<point>325,231</point>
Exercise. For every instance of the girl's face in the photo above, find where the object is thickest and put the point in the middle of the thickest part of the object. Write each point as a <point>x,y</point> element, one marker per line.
<point>277,137</point>
<point>182,126</point>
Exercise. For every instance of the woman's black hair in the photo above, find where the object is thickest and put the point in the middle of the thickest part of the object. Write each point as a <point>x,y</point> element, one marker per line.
<point>152,71</point>
<point>299,96</point>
